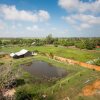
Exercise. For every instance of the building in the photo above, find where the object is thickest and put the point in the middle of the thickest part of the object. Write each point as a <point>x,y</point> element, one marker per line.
<point>21,54</point>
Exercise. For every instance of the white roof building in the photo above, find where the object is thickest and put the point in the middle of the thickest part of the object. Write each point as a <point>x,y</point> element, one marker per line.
<point>21,52</point>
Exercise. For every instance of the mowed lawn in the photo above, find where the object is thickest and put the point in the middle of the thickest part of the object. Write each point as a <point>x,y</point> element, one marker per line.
<point>72,53</point>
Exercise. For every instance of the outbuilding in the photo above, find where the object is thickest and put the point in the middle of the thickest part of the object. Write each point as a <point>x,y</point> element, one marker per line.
<point>21,54</point>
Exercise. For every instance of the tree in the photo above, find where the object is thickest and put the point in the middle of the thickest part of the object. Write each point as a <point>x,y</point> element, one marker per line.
<point>49,39</point>
<point>56,43</point>
<point>0,43</point>
<point>89,44</point>
<point>80,45</point>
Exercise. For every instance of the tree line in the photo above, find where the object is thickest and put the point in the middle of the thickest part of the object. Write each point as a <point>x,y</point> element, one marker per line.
<point>82,43</point>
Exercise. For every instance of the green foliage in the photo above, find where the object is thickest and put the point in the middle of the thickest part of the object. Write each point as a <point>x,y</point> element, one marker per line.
<point>51,55</point>
<point>29,92</point>
<point>97,62</point>
<point>86,44</point>
<point>39,42</point>
<point>36,51</point>
<point>56,43</point>
<point>49,39</point>
<point>89,45</point>
<point>23,93</point>
<point>0,42</point>
<point>80,45</point>
<point>71,85</point>
<point>1,63</point>
<point>66,42</point>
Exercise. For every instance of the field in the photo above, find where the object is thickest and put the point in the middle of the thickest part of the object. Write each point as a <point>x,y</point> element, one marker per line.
<point>70,87</point>
<point>49,49</point>
<point>72,53</point>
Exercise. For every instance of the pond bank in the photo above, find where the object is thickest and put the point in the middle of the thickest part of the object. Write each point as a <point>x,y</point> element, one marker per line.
<point>70,61</point>
<point>44,70</point>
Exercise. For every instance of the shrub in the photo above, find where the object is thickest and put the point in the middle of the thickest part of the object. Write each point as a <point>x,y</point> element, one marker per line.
<point>80,45</point>
<point>89,45</point>
<point>1,63</point>
<point>97,62</point>
<point>56,43</point>
<point>27,92</point>
<point>36,51</point>
<point>51,55</point>
<point>49,39</point>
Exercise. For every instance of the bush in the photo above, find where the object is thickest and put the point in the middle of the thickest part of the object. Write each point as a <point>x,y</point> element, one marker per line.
<point>36,51</point>
<point>49,39</point>
<point>56,43</point>
<point>90,45</point>
<point>86,44</point>
<point>80,45</point>
<point>51,55</point>
<point>1,63</point>
<point>97,62</point>
<point>27,92</point>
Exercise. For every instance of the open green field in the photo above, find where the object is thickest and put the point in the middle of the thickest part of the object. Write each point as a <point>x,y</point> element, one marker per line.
<point>72,53</point>
<point>67,87</point>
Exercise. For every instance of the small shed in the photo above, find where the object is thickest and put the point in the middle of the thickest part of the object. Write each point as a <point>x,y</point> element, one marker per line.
<point>21,54</point>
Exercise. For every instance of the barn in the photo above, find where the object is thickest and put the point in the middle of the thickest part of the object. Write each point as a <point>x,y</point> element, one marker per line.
<point>21,54</point>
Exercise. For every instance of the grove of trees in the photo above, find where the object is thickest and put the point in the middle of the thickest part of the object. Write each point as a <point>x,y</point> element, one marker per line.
<point>81,43</point>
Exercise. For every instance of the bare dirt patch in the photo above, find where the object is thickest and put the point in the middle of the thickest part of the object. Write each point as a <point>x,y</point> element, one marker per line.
<point>6,58</point>
<point>9,93</point>
<point>92,89</point>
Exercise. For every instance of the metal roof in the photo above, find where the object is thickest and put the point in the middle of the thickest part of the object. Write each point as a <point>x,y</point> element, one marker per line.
<point>22,52</point>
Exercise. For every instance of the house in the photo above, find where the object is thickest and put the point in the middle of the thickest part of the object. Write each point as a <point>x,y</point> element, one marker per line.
<point>33,43</point>
<point>21,54</point>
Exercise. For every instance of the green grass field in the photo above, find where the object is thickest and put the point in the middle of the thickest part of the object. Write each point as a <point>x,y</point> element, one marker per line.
<point>69,86</point>
<point>72,53</point>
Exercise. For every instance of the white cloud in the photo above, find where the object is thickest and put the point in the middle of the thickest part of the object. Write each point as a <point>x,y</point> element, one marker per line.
<point>69,4</point>
<point>43,15</point>
<point>54,28</point>
<point>13,26</point>
<point>84,25</point>
<point>12,13</point>
<point>83,15</point>
<point>34,28</point>
<point>19,25</point>
<point>79,6</point>
<point>2,24</point>
<point>83,21</point>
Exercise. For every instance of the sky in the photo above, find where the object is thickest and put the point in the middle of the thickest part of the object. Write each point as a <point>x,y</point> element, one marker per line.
<point>39,18</point>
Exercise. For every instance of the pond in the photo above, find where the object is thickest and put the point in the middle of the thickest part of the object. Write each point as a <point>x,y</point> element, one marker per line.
<point>44,70</point>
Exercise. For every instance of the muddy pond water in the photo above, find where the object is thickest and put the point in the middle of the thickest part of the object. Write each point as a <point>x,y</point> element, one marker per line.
<point>44,70</point>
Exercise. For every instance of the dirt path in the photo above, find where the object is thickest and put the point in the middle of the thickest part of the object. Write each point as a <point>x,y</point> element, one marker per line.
<point>92,89</point>
<point>77,62</point>
<point>70,61</point>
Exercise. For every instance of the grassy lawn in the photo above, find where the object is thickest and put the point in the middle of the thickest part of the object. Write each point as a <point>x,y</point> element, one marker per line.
<point>72,53</point>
